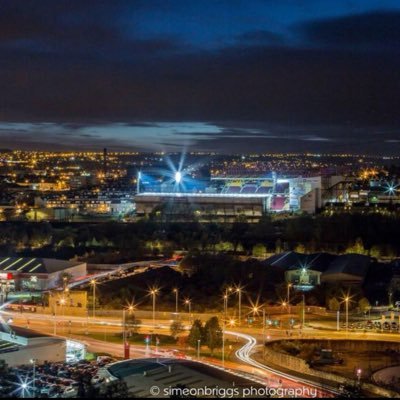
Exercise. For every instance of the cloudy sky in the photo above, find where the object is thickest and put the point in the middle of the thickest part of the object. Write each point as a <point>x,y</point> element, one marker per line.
<point>222,75</point>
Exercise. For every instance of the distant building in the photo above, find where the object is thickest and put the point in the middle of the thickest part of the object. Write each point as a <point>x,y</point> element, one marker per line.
<point>305,271</point>
<point>349,269</point>
<point>18,346</point>
<point>28,273</point>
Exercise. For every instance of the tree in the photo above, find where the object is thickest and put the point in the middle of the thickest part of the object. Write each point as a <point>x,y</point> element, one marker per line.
<point>364,305</point>
<point>213,334</point>
<point>259,250</point>
<point>64,278</point>
<point>196,333</point>
<point>176,328</point>
<point>133,323</point>
<point>357,247</point>
<point>333,304</point>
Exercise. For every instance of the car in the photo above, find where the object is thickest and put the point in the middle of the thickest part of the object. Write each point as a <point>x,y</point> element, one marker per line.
<point>48,389</point>
<point>70,391</point>
<point>386,326</point>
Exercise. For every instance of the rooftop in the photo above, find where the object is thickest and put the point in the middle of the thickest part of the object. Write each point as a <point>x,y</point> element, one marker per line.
<point>34,265</point>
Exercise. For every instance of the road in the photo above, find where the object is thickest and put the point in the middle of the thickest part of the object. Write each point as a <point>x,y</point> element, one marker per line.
<point>285,380</point>
<point>254,370</point>
<point>140,267</point>
<point>246,364</point>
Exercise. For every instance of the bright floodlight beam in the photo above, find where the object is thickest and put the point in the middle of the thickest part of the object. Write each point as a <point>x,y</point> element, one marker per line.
<point>178,177</point>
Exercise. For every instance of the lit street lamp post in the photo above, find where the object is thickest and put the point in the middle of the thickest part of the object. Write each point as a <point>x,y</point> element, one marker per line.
<point>223,343</point>
<point>198,349</point>
<point>288,296</point>
<point>33,362</point>
<point>359,372</point>
<point>153,293</point>
<point>225,305</point>
<point>93,283</point>
<point>347,313</point>
<point>176,291</point>
<point>239,292</point>
<point>62,302</point>
<point>188,302</point>
<point>130,309</point>
<point>264,333</point>
<point>55,318</point>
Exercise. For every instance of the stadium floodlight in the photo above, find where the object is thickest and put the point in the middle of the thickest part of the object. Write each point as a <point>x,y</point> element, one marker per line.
<point>178,177</point>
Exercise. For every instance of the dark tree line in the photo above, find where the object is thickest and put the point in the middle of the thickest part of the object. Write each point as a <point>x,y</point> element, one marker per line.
<point>372,234</point>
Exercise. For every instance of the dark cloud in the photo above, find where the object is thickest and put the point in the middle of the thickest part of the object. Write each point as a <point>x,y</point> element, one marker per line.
<point>377,30</point>
<point>260,37</point>
<point>76,64</point>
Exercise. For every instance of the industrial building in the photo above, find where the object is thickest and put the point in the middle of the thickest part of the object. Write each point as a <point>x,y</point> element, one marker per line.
<point>29,273</point>
<point>305,271</point>
<point>19,345</point>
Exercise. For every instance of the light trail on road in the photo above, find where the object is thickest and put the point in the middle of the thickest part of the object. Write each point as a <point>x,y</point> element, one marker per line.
<point>244,354</point>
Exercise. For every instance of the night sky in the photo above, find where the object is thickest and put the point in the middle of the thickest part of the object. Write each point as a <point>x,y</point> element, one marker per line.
<point>221,75</point>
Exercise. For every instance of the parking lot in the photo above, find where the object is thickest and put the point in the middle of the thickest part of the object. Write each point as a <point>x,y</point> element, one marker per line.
<point>52,380</point>
<point>376,326</point>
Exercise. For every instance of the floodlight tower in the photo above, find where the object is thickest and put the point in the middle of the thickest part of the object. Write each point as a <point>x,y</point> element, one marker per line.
<point>139,177</point>
<point>178,177</point>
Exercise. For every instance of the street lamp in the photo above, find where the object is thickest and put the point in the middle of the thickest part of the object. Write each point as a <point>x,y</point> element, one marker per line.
<point>346,300</point>
<point>225,305</point>
<point>223,343</point>
<point>153,292</point>
<point>176,291</point>
<point>62,302</point>
<point>239,292</point>
<point>264,333</point>
<point>93,283</point>
<point>359,373</point>
<point>188,302</point>
<point>289,285</point>
<point>130,310</point>
<point>24,386</point>
<point>33,362</point>
<point>232,322</point>
<point>198,349</point>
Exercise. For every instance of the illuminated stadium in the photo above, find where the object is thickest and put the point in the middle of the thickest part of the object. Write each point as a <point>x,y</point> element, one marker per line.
<point>183,194</point>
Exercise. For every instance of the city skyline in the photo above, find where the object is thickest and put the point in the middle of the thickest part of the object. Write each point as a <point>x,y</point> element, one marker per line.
<point>223,76</point>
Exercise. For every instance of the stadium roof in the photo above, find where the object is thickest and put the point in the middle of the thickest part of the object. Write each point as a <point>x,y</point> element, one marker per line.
<point>28,265</point>
<point>218,195</point>
<point>142,374</point>
<point>350,264</point>
<point>292,260</point>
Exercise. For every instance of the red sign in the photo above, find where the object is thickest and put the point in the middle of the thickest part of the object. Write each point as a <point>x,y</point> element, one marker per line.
<point>6,276</point>
<point>126,350</point>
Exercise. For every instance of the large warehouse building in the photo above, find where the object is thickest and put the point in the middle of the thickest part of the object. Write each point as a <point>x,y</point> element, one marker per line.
<point>29,273</point>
